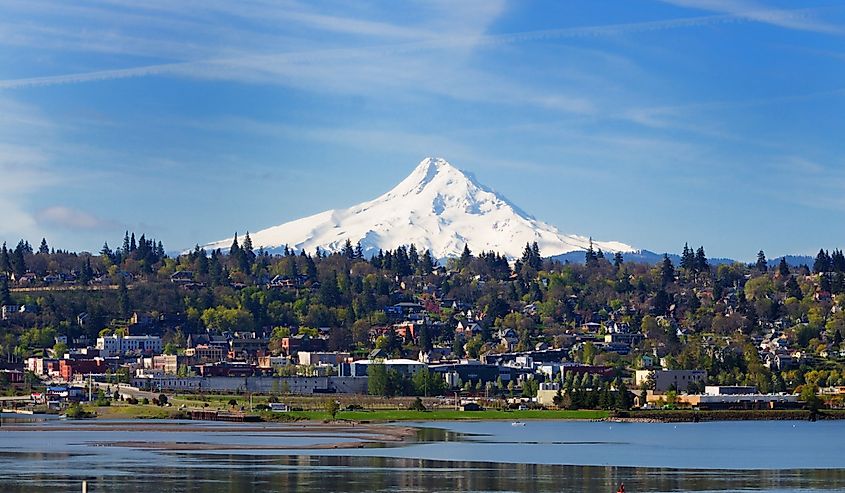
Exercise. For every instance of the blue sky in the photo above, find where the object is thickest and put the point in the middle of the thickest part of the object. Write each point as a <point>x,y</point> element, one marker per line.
<point>715,122</point>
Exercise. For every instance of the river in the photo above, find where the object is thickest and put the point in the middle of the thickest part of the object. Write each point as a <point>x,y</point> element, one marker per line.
<point>541,456</point>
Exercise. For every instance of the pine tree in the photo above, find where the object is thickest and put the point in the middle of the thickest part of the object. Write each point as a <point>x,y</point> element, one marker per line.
<point>688,259</point>
<point>248,253</point>
<point>590,257</point>
<point>310,267</point>
<point>618,259</point>
<point>466,256</point>
<point>5,294</point>
<point>44,249</point>
<point>126,244</point>
<point>106,252</point>
<point>18,260</point>
<point>701,264</point>
<point>426,263</point>
<point>526,254</point>
<point>359,252</point>
<point>792,288</point>
<point>87,273</point>
<point>822,262</point>
<point>235,249</point>
<point>535,255</point>
<point>132,245</point>
<point>413,257</point>
<point>667,270</point>
<point>783,268</point>
<point>762,265</point>
<point>5,260</point>
<point>347,251</point>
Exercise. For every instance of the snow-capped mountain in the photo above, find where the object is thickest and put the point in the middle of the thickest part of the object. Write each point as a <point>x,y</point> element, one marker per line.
<point>437,207</point>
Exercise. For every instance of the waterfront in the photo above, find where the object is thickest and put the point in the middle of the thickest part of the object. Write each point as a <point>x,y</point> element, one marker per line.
<point>473,456</point>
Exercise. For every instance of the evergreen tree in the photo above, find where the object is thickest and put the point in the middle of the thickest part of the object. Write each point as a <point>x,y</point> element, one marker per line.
<point>838,261</point>
<point>526,255</point>
<point>235,249</point>
<point>762,264</point>
<point>126,245</point>
<point>426,263</point>
<point>5,260</point>
<point>248,252</point>
<point>590,257</point>
<point>413,257</point>
<point>824,283</point>
<point>348,251</point>
<point>618,259</point>
<point>18,260</point>
<point>466,256</point>
<point>822,262</point>
<point>701,264</point>
<point>310,267</point>
<point>86,273</point>
<point>106,252</point>
<point>359,252</point>
<point>667,270</point>
<point>783,268</point>
<point>688,259</point>
<point>5,294</point>
<point>44,249</point>
<point>792,288</point>
<point>329,293</point>
<point>132,245</point>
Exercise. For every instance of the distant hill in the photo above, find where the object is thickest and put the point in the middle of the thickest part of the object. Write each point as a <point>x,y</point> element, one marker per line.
<point>639,256</point>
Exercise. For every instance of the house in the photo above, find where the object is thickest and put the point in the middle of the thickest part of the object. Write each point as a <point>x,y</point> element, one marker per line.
<point>26,279</point>
<point>283,282</point>
<point>434,355</point>
<point>53,278</point>
<point>7,312</point>
<point>630,339</point>
<point>468,330</point>
<point>408,331</point>
<point>507,337</point>
<point>182,277</point>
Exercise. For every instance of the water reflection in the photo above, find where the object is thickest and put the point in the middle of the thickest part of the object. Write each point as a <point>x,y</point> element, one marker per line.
<point>217,473</point>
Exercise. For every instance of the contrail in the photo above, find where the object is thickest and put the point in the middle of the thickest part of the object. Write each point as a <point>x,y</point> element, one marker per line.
<point>189,68</point>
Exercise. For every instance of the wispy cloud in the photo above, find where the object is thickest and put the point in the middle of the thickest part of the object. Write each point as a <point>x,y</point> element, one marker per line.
<point>278,67</point>
<point>799,19</point>
<point>70,218</point>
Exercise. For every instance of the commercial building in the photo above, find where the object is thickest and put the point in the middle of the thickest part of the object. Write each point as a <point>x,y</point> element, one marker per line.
<point>116,345</point>
<point>665,380</point>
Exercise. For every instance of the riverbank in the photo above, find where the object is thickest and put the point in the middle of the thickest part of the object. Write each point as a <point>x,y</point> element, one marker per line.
<point>310,434</point>
<point>151,412</point>
<point>693,416</point>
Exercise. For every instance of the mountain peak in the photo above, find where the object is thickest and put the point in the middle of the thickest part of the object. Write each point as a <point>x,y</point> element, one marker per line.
<point>430,170</point>
<point>437,207</point>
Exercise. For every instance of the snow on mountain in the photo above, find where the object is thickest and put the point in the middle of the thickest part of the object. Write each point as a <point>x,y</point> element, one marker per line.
<point>437,207</point>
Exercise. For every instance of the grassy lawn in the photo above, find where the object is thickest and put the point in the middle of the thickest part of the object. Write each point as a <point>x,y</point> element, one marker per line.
<point>127,411</point>
<point>448,415</point>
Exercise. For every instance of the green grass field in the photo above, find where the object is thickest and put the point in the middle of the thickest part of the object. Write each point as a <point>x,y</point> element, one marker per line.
<point>446,415</point>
